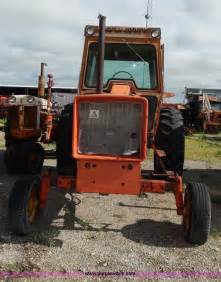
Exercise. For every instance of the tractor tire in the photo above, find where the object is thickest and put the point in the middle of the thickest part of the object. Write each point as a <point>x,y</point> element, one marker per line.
<point>23,205</point>
<point>66,164</point>
<point>170,138</point>
<point>24,158</point>
<point>197,213</point>
<point>33,157</point>
<point>11,159</point>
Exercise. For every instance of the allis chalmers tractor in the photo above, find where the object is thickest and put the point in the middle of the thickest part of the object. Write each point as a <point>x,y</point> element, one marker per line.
<point>104,136</point>
<point>29,121</point>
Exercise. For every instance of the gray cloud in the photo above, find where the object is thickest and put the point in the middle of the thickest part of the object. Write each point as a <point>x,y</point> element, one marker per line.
<point>52,31</point>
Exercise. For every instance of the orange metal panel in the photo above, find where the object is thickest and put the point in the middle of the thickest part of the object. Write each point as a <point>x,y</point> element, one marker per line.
<point>25,133</point>
<point>160,186</point>
<point>153,186</point>
<point>178,192</point>
<point>66,182</point>
<point>108,177</point>
<point>121,89</point>
<point>44,188</point>
<point>46,125</point>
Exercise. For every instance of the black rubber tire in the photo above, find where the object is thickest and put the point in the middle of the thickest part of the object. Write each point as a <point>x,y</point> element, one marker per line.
<point>14,158</point>
<point>33,157</point>
<point>18,204</point>
<point>66,164</point>
<point>170,137</point>
<point>198,198</point>
<point>11,159</point>
<point>24,158</point>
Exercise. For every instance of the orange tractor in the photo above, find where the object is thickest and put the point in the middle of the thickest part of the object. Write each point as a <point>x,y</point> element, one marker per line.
<point>103,138</point>
<point>30,121</point>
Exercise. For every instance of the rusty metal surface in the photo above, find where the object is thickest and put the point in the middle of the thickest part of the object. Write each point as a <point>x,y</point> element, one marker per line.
<point>41,82</point>
<point>121,31</point>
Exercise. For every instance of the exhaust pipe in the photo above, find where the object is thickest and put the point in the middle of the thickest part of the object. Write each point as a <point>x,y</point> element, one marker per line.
<point>41,82</point>
<point>101,50</point>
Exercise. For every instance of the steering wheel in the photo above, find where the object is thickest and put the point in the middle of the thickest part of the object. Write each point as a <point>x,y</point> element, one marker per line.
<point>130,75</point>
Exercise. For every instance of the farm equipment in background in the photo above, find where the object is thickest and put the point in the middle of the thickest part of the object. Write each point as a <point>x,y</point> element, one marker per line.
<point>30,121</point>
<point>3,106</point>
<point>211,113</point>
<point>103,138</point>
<point>203,109</point>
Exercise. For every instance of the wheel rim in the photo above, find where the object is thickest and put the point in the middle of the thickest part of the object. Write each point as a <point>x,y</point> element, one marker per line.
<point>187,214</point>
<point>32,206</point>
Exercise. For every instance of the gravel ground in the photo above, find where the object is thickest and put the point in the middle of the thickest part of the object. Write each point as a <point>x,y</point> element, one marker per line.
<point>110,233</point>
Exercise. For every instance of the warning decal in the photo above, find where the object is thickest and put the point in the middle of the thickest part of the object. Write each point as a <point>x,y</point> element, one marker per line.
<point>95,114</point>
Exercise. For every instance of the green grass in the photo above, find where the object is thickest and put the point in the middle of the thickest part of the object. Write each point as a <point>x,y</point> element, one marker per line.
<point>49,147</point>
<point>215,233</point>
<point>2,122</point>
<point>201,150</point>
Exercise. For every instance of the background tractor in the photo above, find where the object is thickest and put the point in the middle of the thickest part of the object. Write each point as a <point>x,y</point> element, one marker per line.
<point>30,120</point>
<point>103,138</point>
<point>203,109</point>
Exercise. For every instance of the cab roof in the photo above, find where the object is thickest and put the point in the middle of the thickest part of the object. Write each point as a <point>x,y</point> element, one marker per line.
<point>119,31</point>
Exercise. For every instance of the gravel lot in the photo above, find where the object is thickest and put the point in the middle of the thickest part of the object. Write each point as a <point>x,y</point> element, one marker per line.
<point>110,233</point>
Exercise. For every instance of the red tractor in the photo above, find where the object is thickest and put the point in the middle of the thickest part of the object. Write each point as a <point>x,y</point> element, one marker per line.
<point>103,138</point>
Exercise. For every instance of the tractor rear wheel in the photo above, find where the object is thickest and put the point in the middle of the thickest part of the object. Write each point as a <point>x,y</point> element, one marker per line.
<point>24,157</point>
<point>11,158</point>
<point>170,138</point>
<point>66,165</point>
<point>23,205</point>
<point>197,213</point>
<point>33,157</point>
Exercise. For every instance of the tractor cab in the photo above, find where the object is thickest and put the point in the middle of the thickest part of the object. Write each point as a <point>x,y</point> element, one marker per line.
<point>131,64</point>
<point>130,55</point>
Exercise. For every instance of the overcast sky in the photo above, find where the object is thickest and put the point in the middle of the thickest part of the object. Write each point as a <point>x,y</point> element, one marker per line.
<point>52,31</point>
